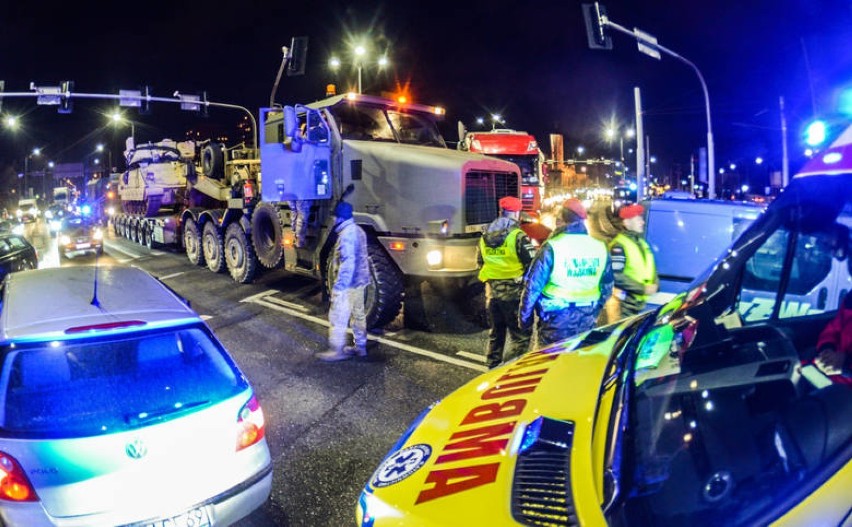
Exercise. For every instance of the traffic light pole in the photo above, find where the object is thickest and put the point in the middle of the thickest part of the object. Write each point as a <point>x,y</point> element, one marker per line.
<point>648,45</point>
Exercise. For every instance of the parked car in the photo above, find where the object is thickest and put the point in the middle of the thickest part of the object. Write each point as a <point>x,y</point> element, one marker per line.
<point>16,254</point>
<point>704,412</point>
<point>28,210</point>
<point>80,235</point>
<point>121,407</point>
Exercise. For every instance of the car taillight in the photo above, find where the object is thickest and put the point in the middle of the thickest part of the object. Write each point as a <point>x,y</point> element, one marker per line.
<point>251,425</point>
<point>14,485</point>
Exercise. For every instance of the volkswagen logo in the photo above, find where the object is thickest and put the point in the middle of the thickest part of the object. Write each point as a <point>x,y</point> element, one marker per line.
<point>136,449</point>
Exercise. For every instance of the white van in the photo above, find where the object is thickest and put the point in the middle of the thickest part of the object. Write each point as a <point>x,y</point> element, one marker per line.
<point>688,235</point>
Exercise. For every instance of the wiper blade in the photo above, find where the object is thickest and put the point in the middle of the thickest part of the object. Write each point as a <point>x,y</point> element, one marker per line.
<point>162,413</point>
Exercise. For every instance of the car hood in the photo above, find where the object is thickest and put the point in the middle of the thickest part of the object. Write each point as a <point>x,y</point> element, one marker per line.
<point>458,465</point>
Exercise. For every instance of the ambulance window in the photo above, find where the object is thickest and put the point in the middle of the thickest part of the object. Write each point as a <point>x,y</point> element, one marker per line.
<point>763,269</point>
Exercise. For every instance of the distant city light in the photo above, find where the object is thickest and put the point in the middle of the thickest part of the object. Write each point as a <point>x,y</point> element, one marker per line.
<point>580,150</point>
<point>758,160</point>
<point>732,166</point>
<point>744,188</point>
<point>721,170</point>
<point>809,152</point>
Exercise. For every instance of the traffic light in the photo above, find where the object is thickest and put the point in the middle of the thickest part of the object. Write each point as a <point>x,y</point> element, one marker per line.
<point>65,102</point>
<point>594,15</point>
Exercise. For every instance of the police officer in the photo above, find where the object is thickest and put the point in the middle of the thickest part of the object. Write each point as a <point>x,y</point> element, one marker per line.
<point>633,262</point>
<point>505,252</point>
<point>569,280</point>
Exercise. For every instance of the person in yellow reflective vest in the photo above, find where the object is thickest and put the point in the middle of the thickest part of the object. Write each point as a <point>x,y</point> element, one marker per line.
<point>569,280</point>
<point>632,263</point>
<point>505,253</point>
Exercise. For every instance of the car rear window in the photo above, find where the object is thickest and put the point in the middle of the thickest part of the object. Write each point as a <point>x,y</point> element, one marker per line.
<point>94,386</point>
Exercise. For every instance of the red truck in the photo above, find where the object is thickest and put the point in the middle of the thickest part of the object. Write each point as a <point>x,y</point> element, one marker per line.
<point>517,147</point>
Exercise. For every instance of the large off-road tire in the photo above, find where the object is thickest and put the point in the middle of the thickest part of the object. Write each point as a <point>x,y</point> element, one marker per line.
<point>266,234</point>
<point>239,254</point>
<point>213,247</point>
<point>383,296</point>
<point>192,242</point>
<point>213,161</point>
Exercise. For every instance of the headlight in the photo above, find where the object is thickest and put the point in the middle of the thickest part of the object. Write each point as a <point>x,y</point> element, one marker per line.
<point>64,239</point>
<point>98,234</point>
<point>435,257</point>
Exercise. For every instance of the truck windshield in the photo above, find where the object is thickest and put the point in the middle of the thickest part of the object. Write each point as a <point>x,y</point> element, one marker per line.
<point>375,123</point>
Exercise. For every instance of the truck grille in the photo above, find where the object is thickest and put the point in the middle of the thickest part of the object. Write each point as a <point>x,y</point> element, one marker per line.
<point>482,192</point>
<point>541,489</point>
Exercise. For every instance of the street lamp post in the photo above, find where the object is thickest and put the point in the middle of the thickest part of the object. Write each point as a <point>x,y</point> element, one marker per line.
<point>35,153</point>
<point>360,55</point>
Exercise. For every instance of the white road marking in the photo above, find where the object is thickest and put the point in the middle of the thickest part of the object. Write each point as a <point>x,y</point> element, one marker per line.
<point>170,276</point>
<point>284,303</point>
<point>261,299</point>
<point>115,247</point>
<point>472,356</point>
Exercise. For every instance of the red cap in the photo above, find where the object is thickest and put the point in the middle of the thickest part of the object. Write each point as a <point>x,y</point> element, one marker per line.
<point>510,203</point>
<point>575,206</point>
<point>631,211</point>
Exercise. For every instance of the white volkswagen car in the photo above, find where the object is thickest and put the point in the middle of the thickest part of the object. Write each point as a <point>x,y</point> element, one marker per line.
<point>119,406</point>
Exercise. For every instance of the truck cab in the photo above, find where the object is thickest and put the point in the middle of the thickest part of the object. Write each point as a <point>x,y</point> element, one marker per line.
<point>422,204</point>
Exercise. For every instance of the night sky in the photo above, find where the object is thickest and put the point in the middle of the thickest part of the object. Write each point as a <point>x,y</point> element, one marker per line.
<point>527,61</point>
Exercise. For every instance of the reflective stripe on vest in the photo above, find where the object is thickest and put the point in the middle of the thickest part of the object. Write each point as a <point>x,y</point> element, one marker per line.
<point>639,265</point>
<point>579,262</point>
<point>501,262</point>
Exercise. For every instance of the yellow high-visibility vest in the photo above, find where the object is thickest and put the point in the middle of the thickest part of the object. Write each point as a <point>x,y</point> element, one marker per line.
<point>579,262</point>
<point>502,262</point>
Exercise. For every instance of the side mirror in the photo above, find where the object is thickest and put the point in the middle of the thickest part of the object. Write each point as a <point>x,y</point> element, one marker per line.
<point>291,129</point>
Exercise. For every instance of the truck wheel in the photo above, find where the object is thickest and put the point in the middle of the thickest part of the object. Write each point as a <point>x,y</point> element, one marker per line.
<point>239,254</point>
<point>213,161</point>
<point>266,235</point>
<point>212,246</point>
<point>383,296</point>
<point>148,237</point>
<point>192,242</point>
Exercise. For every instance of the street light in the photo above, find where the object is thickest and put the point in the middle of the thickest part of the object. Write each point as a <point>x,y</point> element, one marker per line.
<point>117,117</point>
<point>360,57</point>
<point>11,122</point>
<point>610,133</point>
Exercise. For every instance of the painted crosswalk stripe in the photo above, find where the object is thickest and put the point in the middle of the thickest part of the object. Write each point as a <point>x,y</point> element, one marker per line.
<point>264,300</point>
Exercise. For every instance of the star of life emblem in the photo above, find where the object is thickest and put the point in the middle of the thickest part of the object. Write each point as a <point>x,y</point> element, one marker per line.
<point>401,464</point>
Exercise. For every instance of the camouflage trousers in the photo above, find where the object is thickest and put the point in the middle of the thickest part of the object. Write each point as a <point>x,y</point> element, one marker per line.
<point>560,324</point>
<point>347,306</point>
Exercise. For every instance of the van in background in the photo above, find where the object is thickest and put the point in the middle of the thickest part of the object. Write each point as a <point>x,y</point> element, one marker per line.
<point>689,235</point>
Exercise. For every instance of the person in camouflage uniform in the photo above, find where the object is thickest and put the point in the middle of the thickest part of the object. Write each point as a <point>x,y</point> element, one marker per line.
<point>505,252</point>
<point>351,271</point>
<point>633,263</point>
<point>569,280</point>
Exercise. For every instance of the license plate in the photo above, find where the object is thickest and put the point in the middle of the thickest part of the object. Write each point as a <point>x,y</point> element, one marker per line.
<point>194,518</point>
<point>83,245</point>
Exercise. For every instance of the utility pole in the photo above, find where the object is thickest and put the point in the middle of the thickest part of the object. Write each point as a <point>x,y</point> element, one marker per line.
<point>785,161</point>
<point>640,146</point>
